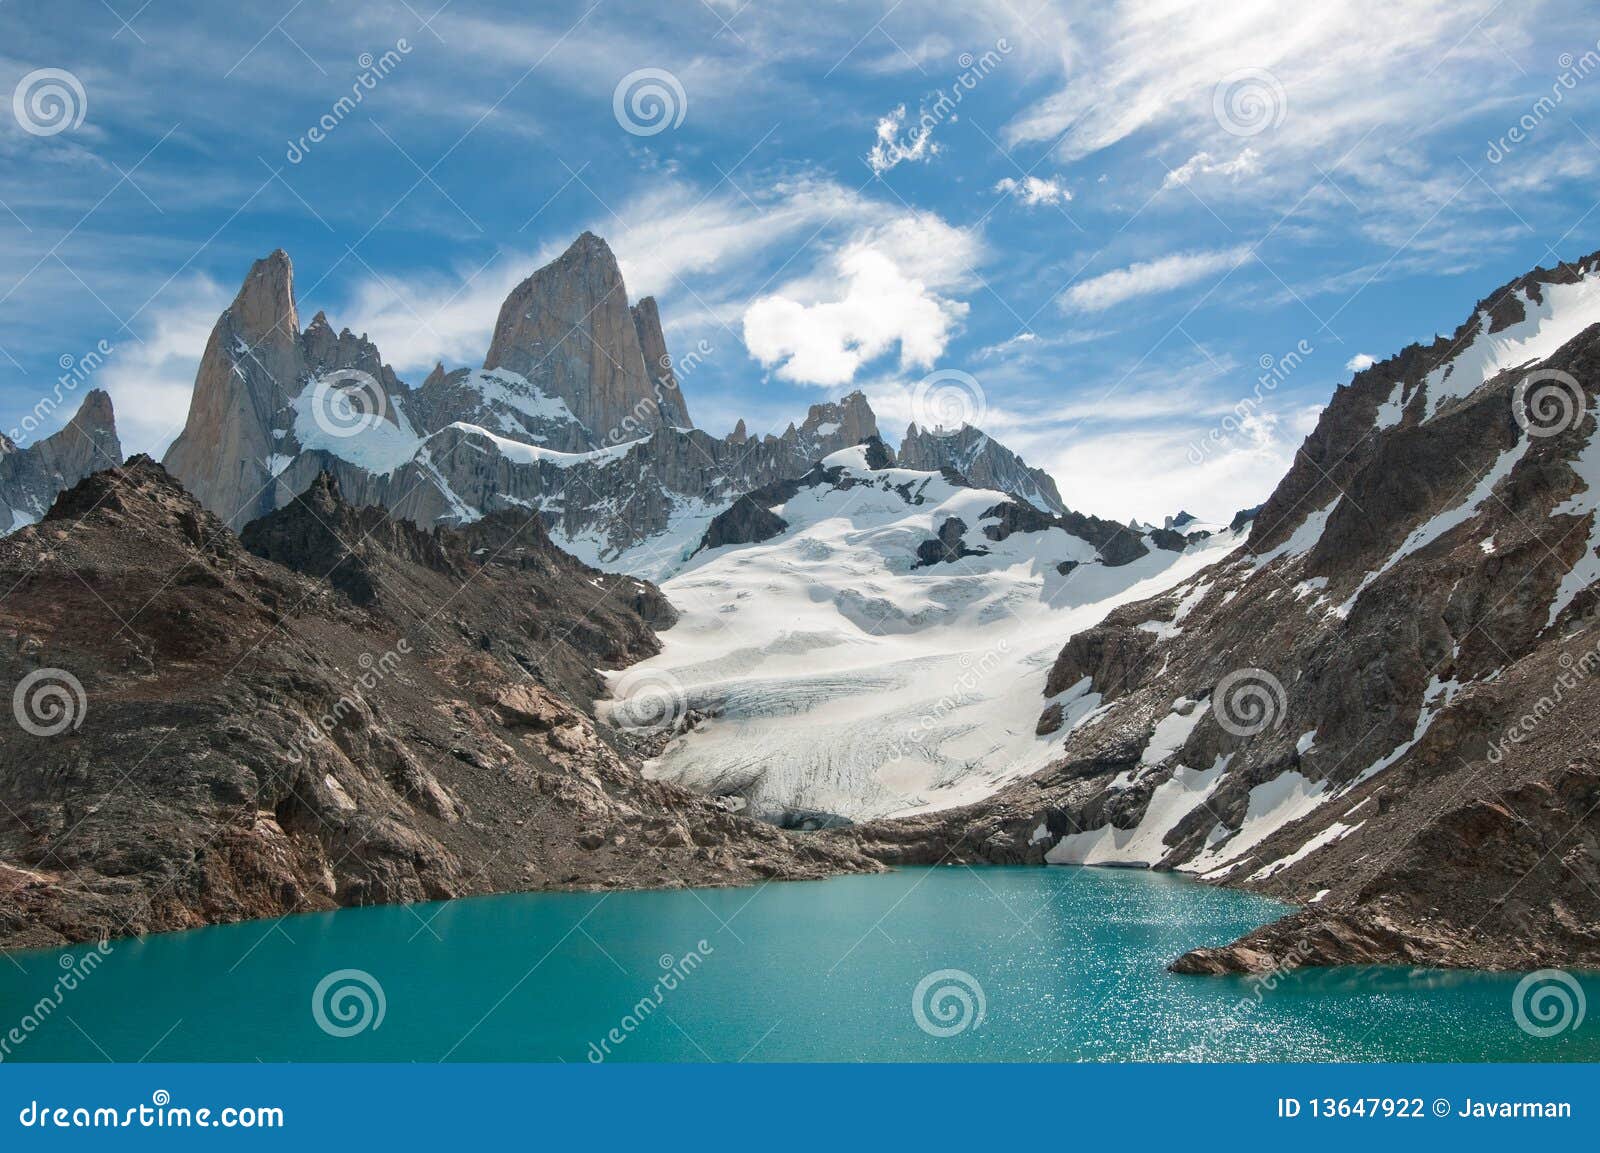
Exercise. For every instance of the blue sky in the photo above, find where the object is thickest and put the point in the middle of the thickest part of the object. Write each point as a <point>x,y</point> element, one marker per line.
<point>1108,217</point>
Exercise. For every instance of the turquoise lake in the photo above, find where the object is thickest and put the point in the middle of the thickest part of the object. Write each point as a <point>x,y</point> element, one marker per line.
<point>1066,965</point>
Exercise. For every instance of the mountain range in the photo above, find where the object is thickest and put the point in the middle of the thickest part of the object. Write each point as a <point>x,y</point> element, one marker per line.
<point>821,653</point>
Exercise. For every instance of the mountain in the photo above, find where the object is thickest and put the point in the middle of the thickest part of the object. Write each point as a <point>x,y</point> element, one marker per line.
<point>985,462</point>
<point>569,329</point>
<point>265,391</point>
<point>871,640</point>
<point>1378,707</point>
<point>31,477</point>
<point>576,412</point>
<point>340,709</point>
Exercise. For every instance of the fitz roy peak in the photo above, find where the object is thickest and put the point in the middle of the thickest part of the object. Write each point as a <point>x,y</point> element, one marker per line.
<point>576,412</point>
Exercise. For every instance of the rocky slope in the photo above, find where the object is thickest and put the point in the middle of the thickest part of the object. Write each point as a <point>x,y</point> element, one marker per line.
<point>1381,707</point>
<point>32,476</point>
<point>365,712</point>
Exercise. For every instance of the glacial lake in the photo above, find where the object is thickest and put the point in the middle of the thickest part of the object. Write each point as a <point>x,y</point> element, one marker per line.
<point>1014,964</point>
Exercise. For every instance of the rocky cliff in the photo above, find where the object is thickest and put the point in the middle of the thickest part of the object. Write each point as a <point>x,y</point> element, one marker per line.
<point>569,329</point>
<point>357,711</point>
<point>1379,708</point>
<point>985,462</point>
<point>33,475</point>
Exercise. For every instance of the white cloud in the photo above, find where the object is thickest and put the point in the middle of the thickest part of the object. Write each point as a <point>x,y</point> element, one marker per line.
<point>886,287</point>
<point>1360,361</point>
<point>891,149</point>
<point>1150,277</point>
<point>1034,191</point>
<point>1246,163</point>
<point>150,383</point>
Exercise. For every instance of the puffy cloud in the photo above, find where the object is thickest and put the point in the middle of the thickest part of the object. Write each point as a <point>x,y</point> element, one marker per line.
<point>150,383</point>
<point>1034,191</point>
<point>1360,361</point>
<point>887,287</point>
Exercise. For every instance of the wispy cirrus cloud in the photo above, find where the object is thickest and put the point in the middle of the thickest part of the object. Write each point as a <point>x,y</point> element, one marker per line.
<point>1150,278</point>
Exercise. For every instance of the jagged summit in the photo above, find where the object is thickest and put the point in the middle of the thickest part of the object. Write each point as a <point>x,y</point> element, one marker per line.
<point>981,459</point>
<point>570,330</point>
<point>32,476</point>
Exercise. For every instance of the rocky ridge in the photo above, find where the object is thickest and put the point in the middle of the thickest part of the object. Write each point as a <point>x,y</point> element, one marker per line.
<point>366,712</point>
<point>1376,708</point>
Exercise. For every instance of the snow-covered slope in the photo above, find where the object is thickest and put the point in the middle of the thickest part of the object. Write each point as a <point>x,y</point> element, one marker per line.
<point>838,672</point>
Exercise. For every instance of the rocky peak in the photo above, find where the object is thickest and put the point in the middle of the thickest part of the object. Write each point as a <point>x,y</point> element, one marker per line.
<point>265,306</point>
<point>984,461</point>
<point>658,364</point>
<point>569,330</point>
<point>32,476</point>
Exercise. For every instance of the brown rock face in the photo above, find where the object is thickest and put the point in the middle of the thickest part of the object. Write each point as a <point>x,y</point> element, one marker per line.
<point>658,364</point>
<point>569,329</point>
<point>251,741</point>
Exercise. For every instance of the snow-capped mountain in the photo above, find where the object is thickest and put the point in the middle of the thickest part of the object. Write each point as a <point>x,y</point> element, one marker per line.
<point>982,460</point>
<point>872,640</point>
<point>31,477</point>
<point>576,412</point>
<point>1378,707</point>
